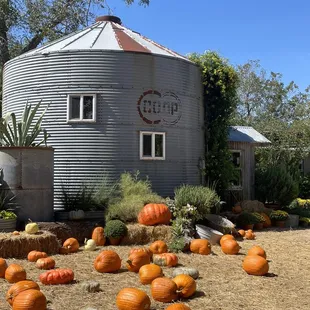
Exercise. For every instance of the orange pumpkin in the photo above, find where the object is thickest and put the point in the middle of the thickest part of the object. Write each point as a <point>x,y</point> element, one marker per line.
<point>57,276</point>
<point>226,237</point>
<point>3,267</point>
<point>45,263</point>
<point>249,235</point>
<point>33,256</point>
<point>132,299</point>
<point>230,247</point>
<point>154,213</point>
<point>146,250</point>
<point>257,250</point>
<point>200,246</point>
<point>15,273</point>
<point>164,290</point>
<point>19,287</point>
<point>241,232</point>
<point>149,272</point>
<point>159,247</point>
<point>165,259</point>
<point>15,233</point>
<point>72,245</point>
<point>186,285</point>
<point>98,236</point>
<point>30,300</point>
<point>107,261</point>
<point>178,306</point>
<point>267,222</point>
<point>255,265</point>
<point>137,260</point>
<point>237,209</point>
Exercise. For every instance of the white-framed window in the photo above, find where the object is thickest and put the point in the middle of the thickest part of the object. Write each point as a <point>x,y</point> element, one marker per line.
<point>81,108</point>
<point>236,158</point>
<point>152,145</point>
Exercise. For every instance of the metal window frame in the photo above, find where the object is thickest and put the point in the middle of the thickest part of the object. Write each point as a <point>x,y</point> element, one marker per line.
<point>81,119</point>
<point>153,157</point>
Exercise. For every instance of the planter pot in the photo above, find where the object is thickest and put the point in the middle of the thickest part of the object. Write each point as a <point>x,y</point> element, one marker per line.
<point>205,232</point>
<point>280,224</point>
<point>115,241</point>
<point>292,221</point>
<point>7,225</point>
<point>259,226</point>
<point>249,226</point>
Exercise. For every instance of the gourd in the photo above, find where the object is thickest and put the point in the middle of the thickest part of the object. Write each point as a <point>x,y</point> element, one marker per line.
<point>149,272</point>
<point>107,261</point>
<point>136,260</point>
<point>257,250</point>
<point>90,286</point>
<point>230,247</point>
<point>193,272</point>
<point>45,263</point>
<point>241,232</point>
<point>164,290</point>
<point>154,213</point>
<point>255,265</point>
<point>33,256</point>
<point>159,247</point>
<point>57,276</point>
<point>32,228</point>
<point>98,236</point>
<point>15,233</point>
<point>76,215</point>
<point>226,237</point>
<point>72,245</point>
<point>200,246</point>
<point>132,299</point>
<point>165,259</point>
<point>186,285</point>
<point>3,267</point>
<point>249,235</point>
<point>19,287</point>
<point>146,250</point>
<point>178,307</point>
<point>90,245</point>
<point>15,273</point>
<point>30,300</point>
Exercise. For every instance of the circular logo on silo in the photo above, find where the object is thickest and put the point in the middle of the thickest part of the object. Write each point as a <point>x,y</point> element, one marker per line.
<point>154,107</point>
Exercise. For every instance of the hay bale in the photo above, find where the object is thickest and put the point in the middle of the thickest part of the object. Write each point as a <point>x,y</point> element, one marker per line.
<point>18,246</point>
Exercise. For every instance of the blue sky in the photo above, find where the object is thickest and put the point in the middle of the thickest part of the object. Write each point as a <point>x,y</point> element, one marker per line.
<point>276,32</point>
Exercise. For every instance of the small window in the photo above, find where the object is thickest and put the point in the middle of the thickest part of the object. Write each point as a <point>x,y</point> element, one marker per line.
<point>81,108</point>
<point>152,145</point>
<point>236,182</point>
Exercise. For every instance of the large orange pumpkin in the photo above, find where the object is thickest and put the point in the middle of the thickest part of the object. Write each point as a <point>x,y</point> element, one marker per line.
<point>98,236</point>
<point>154,213</point>
<point>149,272</point>
<point>257,250</point>
<point>178,307</point>
<point>255,265</point>
<point>164,290</point>
<point>3,267</point>
<point>146,250</point>
<point>33,256</point>
<point>137,260</point>
<point>15,273</point>
<point>186,285</point>
<point>30,300</point>
<point>57,276</point>
<point>132,299</point>
<point>72,245</point>
<point>159,247</point>
<point>267,222</point>
<point>200,246</point>
<point>19,287</point>
<point>165,259</point>
<point>226,237</point>
<point>230,247</point>
<point>107,261</point>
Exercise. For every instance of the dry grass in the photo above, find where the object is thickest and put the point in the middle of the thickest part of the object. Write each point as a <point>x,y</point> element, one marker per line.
<point>223,284</point>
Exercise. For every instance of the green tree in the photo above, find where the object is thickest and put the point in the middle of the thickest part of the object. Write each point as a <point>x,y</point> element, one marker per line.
<point>220,82</point>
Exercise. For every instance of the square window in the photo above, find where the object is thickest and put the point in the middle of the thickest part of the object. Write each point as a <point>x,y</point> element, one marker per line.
<point>236,182</point>
<point>152,145</point>
<point>81,108</point>
<point>147,145</point>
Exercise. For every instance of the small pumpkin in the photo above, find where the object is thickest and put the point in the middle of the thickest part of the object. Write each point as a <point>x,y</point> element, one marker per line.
<point>255,265</point>
<point>178,306</point>
<point>19,287</point>
<point>241,232</point>
<point>98,236</point>
<point>3,267</point>
<point>267,222</point>
<point>164,290</point>
<point>15,273</point>
<point>30,300</point>
<point>146,250</point>
<point>165,259</point>
<point>159,247</point>
<point>136,260</point>
<point>200,246</point>
<point>15,233</point>
<point>57,276</point>
<point>90,245</point>
<point>154,213</point>
<point>149,272</point>
<point>186,285</point>
<point>226,237</point>
<point>76,215</point>
<point>72,245</point>
<point>230,247</point>
<point>33,256</point>
<point>32,228</point>
<point>193,272</point>
<point>45,263</point>
<point>237,209</point>
<point>249,235</point>
<point>107,261</point>
<point>257,250</point>
<point>132,299</point>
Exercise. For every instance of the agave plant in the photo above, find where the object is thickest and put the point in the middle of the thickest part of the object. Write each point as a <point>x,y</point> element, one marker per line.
<point>24,132</point>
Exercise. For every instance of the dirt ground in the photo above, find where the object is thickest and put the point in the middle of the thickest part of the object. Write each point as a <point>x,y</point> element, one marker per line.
<point>222,284</point>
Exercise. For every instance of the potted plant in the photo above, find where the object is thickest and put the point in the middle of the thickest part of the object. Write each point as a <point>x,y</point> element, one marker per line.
<point>304,221</point>
<point>279,217</point>
<point>246,220</point>
<point>115,230</point>
<point>260,221</point>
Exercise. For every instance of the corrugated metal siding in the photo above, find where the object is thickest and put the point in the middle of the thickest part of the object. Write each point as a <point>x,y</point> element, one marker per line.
<point>111,145</point>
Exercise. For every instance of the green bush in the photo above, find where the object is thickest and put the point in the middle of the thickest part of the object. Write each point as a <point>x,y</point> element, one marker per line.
<point>304,186</point>
<point>115,229</point>
<point>177,244</point>
<point>204,199</point>
<point>247,218</point>
<point>278,215</point>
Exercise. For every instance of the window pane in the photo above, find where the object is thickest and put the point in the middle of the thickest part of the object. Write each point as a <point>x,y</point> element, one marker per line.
<point>75,108</point>
<point>88,107</point>
<point>159,145</point>
<point>236,159</point>
<point>237,178</point>
<point>147,145</point>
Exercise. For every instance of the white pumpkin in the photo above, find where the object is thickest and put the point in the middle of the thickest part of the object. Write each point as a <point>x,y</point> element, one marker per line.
<point>32,228</point>
<point>90,245</point>
<point>76,215</point>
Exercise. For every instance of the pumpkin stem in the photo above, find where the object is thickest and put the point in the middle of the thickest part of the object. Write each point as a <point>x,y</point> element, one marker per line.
<point>129,262</point>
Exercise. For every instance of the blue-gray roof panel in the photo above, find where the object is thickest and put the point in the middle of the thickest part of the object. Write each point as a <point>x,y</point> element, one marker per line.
<point>246,134</point>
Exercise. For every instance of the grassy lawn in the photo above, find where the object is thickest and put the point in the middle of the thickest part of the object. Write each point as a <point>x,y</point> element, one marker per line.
<point>222,285</point>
